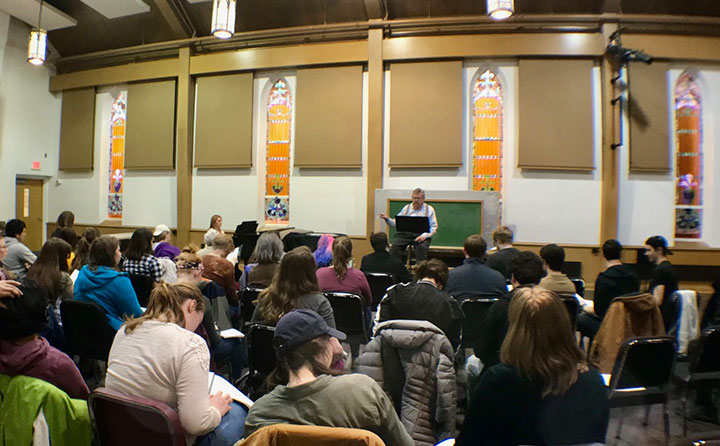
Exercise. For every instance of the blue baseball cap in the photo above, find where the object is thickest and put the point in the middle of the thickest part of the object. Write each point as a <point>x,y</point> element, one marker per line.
<point>301,326</point>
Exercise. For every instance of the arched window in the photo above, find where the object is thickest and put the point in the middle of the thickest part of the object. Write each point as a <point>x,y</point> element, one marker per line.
<point>487,133</point>
<point>117,158</point>
<point>689,159</point>
<point>277,156</point>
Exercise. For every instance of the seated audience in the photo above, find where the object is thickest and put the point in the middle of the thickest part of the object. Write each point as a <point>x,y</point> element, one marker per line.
<point>616,280</point>
<point>526,270</point>
<point>80,255</point>
<point>265,260</point>
<point>306,392</point>
<point>323,253</point>
<point>162,236</point>
<point>71,238</point>
<point>215,230</point>
<point>425,300</point>
<point>553,258</point>
<point>381,261</point>
<point>189,268</point>
<point>99,281</point>
<point>543,391</point>
<point>66,219</point>
<point>294,286</point>
<point>219,269</point>
<point>19,257</point>
<point>340,275</point>
<point>139,258</point>
<point>158,356</point>
<point>664,281</point>
<point>5,273</point>
<point>50,270</point>
<point>501,259</point>
<point>23,352</point>
<point>473,278</point>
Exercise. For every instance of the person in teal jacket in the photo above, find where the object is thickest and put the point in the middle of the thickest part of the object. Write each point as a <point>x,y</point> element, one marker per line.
<point>100,282</point>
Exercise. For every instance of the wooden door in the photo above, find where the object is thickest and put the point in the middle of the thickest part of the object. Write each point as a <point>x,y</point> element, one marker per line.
<point>29,208</point>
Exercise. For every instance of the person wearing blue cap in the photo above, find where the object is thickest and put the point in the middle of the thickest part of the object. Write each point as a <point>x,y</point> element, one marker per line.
<point>306,392</point>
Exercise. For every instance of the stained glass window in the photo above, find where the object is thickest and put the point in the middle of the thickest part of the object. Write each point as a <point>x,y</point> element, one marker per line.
<point>117,158</point>
<point>689,159</point>
<point>487,115</point>
<point>277,157</point>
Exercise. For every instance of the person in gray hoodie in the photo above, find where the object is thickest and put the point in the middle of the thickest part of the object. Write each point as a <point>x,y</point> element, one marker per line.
<point>100,282</point>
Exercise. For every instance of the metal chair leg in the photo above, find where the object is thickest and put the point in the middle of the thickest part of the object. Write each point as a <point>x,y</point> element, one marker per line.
<point>620,424</point>
<point>647,415</point>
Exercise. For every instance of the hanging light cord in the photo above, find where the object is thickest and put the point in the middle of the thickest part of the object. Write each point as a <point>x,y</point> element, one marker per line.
<point>40,15</point>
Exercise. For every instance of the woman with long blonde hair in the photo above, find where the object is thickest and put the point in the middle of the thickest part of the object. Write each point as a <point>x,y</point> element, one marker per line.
<point>542,392</point>
<point>158,356</point>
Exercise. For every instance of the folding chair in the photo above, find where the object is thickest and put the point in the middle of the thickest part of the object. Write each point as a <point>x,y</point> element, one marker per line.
<point>87,331</point>
<point>119,420</point>
<point>703,369</point>
<point>247,307</point>
<point>143,286</point>
<point>261,358</point>
<point>475,310</point>
<point>641,376</point>
<point>573,306</point>
<point>379,283</point>
<point>579,286</point>
<point>350,318</point>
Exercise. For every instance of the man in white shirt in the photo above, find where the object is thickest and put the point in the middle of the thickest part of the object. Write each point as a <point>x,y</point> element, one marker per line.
<point>421,242</point>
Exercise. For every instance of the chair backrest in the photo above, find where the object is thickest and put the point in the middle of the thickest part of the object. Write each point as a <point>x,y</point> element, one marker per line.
<point>299,435</point>
<point>379,283</point>
<point>261,353</point>
<point>579,286</point>
<point>350,315</point>
<point>143,286</point>
<point>707,358</point>
<point>87,330</point>
<point>475,311</point>
<point>644,362</point>
<point>120,420</point>
<point>247,297</point>
<point>573,306</point>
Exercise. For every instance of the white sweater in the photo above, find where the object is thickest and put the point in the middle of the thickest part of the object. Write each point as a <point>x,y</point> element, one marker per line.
<point>164,362</point>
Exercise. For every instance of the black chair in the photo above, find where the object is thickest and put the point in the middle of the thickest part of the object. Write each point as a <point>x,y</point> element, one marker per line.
<point>350,318</point>
<point>579,286</point>
<point>702,372</point>
<point>261,359</point>
<point>379,283</point>
<point>641,376</point>
<point>475,311</point>
<point>87,331</point>
<point>247,307</point>
<point>573,307</point>
<point>143,286</point>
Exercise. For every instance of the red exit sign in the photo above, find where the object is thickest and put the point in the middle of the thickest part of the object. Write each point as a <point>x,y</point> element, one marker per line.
<point>36,165</point>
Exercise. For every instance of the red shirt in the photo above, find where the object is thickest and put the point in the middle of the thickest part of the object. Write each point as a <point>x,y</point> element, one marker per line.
<point>354,282</point>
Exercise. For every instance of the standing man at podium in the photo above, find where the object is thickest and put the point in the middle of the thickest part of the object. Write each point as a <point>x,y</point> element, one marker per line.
<point>421,242</point>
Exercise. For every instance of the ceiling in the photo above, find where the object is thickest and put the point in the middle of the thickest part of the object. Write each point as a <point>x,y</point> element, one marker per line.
<point>180,19</point>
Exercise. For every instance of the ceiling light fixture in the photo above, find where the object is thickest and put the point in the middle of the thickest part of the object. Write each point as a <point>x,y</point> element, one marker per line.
<point>37,44</point>
<point>223,18</point>
<point>500,9</point>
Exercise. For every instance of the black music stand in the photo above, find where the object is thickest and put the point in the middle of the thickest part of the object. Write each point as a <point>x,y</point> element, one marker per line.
<point>414,226</point>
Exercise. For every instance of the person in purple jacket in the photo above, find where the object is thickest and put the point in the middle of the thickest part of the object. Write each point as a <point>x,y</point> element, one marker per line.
<point>23,352</point>
<point>162,236</point>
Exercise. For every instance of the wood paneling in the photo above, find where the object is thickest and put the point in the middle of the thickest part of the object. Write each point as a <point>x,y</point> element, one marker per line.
<point>159,69</point>
<point>185,118</point>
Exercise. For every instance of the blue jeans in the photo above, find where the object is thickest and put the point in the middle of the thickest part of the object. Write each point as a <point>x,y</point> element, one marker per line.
<point>235,350</point>
<point>230,429</point>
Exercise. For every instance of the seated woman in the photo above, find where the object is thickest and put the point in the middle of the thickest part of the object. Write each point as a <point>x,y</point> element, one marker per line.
<point>99,281</point>
<point>323,252</point>
<point>219,269</point>
<point>158,356</point>
<point>139,257</point>
<point>80,255</point>
<point>50,270</point>
<point>543,391</point>
<point>341,276</point>
<point>23,352</point>
<point>189,268</point>
<point>266,259</point>
<point>305,392</point>
<point>294,286</point>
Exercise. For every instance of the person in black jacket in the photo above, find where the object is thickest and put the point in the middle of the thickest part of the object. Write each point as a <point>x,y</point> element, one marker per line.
<point>526,270</point>
<point>501,259</point>
<point>425,300</point>
<point>617,280</point>
<point>473,278</point>
<point>381,261</point>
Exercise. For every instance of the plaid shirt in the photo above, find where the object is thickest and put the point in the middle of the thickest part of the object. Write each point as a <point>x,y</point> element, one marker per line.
<point>148,265</point>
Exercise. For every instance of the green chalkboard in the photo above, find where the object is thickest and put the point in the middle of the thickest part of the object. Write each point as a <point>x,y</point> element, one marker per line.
<point>456,219</point>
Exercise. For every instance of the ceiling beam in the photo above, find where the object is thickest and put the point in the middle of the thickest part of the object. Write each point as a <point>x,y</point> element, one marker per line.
<point>176,18</point>
<point>374,9</point>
